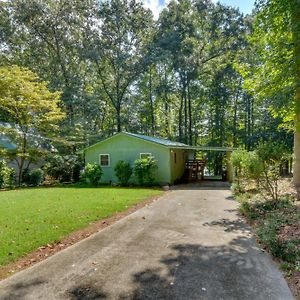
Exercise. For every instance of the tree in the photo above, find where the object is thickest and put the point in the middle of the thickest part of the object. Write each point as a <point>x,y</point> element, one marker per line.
<point>194,33</point>
<point>117,43</point>
<point>295,21</point>
<point>32,111</point>
<point>276,76</point>
<point>47,37</point>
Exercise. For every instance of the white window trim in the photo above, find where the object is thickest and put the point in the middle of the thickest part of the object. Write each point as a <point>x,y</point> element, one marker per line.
<point>143,153</point>
<point>108,160</point>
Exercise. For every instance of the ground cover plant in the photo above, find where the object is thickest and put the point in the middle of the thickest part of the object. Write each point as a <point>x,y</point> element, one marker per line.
<point>30,218</point>
<point>277,226</point>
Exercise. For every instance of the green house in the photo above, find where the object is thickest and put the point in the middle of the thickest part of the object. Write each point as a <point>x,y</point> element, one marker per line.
<point>170,156</point>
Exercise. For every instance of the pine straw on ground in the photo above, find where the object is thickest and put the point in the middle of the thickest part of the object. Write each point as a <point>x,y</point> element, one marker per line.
<point>288,232</point>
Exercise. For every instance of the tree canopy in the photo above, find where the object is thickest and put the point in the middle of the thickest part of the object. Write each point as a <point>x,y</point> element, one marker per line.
<point>202,73</point>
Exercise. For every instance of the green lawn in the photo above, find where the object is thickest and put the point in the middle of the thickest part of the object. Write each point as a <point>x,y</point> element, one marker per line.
<point>30,218</point>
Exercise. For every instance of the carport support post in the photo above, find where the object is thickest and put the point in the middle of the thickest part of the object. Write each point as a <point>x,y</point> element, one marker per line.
<point>229,167</point>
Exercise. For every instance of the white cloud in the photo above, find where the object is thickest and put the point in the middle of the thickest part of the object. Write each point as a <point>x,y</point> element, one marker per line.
<point>155,6</point>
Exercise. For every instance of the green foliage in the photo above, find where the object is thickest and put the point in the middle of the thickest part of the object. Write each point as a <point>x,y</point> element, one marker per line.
<point>123,171</point>
<point>268,234</point>
<point>270,217</point>
<point>7,175</point>
<point>119,49</point>
<point>65,168</point>
<point>92,174</point>
<point>33,177</point>
<point>271,157</point>
<point>262,166</point>
<point>31,110</point>
<point>143,170</point>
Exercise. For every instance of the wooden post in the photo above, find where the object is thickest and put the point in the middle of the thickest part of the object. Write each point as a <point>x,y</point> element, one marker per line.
<point>229,167</point>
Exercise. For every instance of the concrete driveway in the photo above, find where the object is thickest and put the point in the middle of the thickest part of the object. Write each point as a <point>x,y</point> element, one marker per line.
<point>190,244</point>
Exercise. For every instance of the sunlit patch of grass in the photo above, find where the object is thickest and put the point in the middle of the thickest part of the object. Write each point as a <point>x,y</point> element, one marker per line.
<point>30,218</point>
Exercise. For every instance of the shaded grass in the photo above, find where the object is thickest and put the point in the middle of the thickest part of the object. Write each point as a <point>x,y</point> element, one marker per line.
<point>33,217</point>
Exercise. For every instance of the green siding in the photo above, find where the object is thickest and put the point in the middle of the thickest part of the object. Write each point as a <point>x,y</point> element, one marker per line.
<point>178,167</point>
<point>124,147</point>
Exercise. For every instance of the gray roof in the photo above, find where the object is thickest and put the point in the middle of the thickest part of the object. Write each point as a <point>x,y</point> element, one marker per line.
<point>156,140</point>
<point>6,143</point>
<point>168,143</point>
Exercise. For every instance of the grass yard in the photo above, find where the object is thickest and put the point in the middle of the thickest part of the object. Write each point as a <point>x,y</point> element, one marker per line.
<point>30,218</point>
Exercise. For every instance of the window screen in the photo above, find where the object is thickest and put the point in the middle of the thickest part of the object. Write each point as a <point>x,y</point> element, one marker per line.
<point>145,155</point>
<point>104,160</point>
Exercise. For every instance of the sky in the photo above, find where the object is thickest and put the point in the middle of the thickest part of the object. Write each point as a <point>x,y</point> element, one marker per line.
<point>245,6</point>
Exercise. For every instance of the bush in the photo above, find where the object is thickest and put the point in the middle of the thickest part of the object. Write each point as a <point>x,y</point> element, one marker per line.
<point>123,171</point>
<point>34,177</point>
<point>237,188</point>
<point>63,168</point>
<point>143,170</point>
<point>92,174</point>
<point>247,166</point>
<point>262,166</point>
<point>7,175</point>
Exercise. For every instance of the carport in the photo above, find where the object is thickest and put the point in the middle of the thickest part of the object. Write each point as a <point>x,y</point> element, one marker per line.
<point>195,166</point>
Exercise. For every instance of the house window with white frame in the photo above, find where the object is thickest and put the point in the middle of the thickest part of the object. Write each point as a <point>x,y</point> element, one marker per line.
<point>145,155</point>
<point>104,160</point>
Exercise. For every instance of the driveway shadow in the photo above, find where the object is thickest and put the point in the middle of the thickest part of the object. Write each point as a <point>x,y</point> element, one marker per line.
<point>201,272</point>
<point>237,225</point>
<point>189,271</point>
<point>19,291</point>
<point>202,185</point>
<point>86,292</point>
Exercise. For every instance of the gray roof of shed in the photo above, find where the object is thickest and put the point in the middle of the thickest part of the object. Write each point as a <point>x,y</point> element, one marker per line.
<point>6,143</point>
<point>156,140</point>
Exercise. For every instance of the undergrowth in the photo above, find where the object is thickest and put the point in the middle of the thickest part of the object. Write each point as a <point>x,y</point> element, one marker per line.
<point>272,220</point>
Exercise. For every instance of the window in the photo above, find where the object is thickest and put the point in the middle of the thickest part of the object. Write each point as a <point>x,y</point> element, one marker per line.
<point>104,160</point>
<point>145,155</point>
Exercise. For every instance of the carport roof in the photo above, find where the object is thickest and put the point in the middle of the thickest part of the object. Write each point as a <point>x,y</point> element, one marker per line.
<point>209,148</point>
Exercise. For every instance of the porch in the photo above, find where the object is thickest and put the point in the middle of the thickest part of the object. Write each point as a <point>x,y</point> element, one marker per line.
<point>198,169</point>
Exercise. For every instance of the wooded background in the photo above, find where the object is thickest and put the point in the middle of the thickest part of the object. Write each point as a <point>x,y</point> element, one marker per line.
<point>203,73</point>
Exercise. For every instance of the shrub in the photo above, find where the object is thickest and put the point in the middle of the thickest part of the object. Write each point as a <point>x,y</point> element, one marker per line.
<point>237,159</point>
<point>272,156</point>
<point>63,168</point>
<point>7,175</point>
<point>143,170</point>
<point>33,177</point>
<point>237,188</point>
<point>123,171</point>
<point>92,174</point>
<point>262,166</point>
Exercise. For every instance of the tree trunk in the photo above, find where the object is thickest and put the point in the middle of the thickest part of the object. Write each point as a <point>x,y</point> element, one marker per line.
<point>180,119</point>
<point>185,112</point>
<point>22,158</point>
<point>190,114</point>
<point>151,101</point>
<point>295,16</point>
<point>118,115</point>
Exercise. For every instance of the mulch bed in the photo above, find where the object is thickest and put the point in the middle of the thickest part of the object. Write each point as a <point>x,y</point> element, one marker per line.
<point>48,250</point>
<point>292,232</point>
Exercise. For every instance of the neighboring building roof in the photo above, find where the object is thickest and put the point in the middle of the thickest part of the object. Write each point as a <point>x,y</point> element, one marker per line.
<point>6,143</point>
<point>156,140</point>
